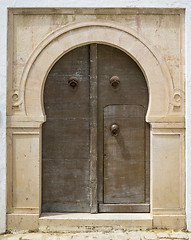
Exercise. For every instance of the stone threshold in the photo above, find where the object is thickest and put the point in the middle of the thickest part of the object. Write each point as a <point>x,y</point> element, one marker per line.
<point>64,222</point>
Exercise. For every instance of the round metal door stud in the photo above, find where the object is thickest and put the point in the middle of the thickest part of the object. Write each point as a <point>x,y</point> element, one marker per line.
<point>73,82</point>
<point>114,128</point>
<point>114,82</point>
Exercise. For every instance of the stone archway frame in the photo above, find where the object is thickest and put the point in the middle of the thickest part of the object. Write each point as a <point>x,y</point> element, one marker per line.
<point>167,132</point>
<point>61,41</point>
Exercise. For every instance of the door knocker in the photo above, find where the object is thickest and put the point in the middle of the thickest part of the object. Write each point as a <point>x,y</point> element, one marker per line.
<point>114,128</point>
<point>114,82</point>
<point>73,82</point>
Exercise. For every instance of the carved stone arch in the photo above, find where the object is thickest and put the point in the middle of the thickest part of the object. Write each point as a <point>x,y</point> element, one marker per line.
<point>165,115</point>
<point>61,41</point>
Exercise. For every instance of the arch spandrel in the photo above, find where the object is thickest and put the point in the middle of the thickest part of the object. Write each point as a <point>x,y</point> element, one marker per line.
<point>63,40</point>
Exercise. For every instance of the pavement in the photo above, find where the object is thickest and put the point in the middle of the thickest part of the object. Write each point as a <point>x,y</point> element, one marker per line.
<point>112,235</point>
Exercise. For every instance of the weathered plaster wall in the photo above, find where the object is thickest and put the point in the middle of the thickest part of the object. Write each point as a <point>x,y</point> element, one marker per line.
<point>104,3</point>
<point>3,60</point>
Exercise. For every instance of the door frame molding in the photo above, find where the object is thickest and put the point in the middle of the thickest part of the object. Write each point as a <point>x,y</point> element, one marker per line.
<point>164,115</point>
<point>61,41</point>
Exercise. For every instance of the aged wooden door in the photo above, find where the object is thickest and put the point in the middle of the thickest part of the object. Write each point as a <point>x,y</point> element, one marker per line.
<point>65,141</point>
<point>95,144</point>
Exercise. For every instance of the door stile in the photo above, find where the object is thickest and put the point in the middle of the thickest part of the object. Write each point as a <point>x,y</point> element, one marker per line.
<point>93,128</point>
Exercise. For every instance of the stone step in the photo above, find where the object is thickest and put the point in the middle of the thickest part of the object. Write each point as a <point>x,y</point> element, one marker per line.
<point>75,222</point>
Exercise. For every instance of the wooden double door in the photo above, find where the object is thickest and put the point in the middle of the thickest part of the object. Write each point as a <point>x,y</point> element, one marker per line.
<point>95,141</point>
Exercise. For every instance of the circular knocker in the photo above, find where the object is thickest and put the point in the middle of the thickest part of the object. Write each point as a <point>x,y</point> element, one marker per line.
<point>114,128</point>
<point>114,82</point>
<point>73,82</point>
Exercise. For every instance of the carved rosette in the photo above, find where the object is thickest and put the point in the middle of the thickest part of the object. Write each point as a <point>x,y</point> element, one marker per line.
<point>17,99</point>
<point>178,97</point>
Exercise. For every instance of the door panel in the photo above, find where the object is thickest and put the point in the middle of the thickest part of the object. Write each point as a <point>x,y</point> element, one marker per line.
<point>66,135</point>
<point>123,161</point>
<point>124,154</point>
